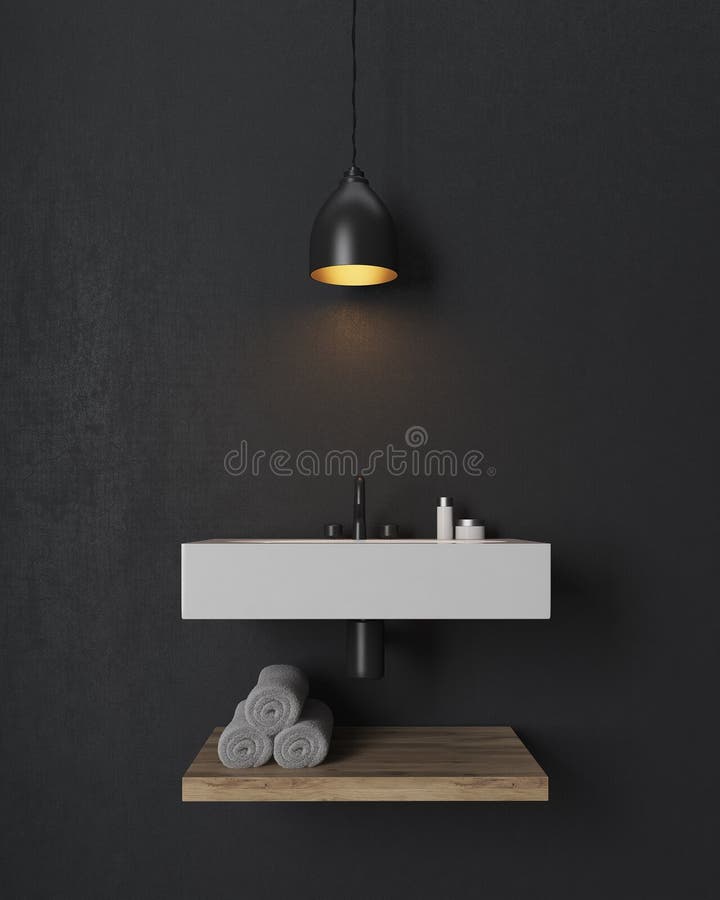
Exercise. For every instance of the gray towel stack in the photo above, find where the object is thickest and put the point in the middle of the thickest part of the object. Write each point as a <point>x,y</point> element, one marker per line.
<point>306,743</point>
<point>277,715</point>
<point>241,746</point>
<point>277,699</point>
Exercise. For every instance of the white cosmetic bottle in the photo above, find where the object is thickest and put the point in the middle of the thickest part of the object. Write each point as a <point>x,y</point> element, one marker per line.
<point>445,530</point>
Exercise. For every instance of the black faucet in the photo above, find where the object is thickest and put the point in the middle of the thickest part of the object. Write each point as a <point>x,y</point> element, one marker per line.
<point>359,531</point>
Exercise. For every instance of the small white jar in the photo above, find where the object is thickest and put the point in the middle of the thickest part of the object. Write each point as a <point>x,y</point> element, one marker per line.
<point>469,530</point>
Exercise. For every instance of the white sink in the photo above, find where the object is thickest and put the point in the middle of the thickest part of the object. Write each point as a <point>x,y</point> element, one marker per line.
<point>373,579</point>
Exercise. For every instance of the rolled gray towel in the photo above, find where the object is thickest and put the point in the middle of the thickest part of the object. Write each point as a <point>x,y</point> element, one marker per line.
<point>306,743</point>
<point>241,746</point>
<point>277,699</point>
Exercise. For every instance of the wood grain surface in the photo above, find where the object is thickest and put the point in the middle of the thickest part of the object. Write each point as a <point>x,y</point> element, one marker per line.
<point>383,763</point>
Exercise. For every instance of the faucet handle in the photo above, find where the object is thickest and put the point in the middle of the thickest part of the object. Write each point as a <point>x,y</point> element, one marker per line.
<point>359,531</point>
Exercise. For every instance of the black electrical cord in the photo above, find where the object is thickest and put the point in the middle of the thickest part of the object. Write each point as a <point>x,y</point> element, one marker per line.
<point>354,80</point>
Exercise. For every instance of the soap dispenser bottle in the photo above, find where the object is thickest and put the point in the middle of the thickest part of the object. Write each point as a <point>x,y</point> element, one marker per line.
<point>445,531</point>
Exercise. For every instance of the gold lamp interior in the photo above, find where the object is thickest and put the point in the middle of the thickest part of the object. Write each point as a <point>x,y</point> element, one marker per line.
<point>354,275</point>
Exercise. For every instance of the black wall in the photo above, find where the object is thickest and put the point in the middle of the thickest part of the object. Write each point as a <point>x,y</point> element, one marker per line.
<point>552,168</point>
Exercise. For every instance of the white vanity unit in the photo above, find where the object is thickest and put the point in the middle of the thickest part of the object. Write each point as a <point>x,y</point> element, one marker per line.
<point>370,579</point>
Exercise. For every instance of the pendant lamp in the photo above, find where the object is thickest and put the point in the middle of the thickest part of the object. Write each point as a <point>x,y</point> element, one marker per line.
<point>353,237</point>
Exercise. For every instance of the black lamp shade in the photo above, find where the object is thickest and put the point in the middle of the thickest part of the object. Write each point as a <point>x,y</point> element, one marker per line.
<point>353,237</point>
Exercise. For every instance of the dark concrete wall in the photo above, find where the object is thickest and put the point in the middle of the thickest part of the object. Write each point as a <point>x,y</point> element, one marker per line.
<point>552,168</point>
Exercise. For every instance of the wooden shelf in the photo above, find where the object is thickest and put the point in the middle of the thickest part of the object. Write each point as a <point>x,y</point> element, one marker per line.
<point>383,763</point>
